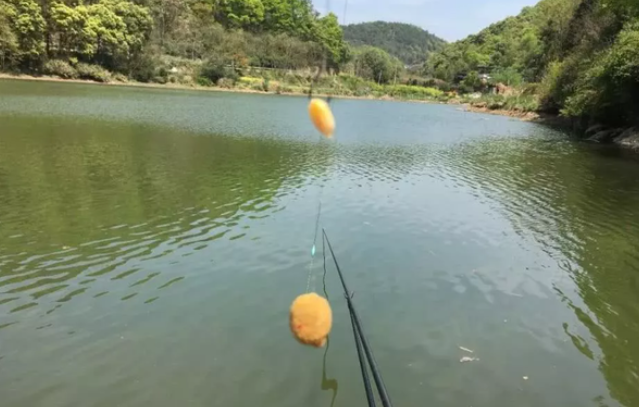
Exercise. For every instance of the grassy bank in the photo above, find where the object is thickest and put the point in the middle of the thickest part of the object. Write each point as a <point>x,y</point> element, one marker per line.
<point>193,74</point>
<point>256,86</point>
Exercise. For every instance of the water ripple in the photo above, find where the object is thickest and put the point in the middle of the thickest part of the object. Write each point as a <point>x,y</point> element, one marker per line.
<point>155,244</point>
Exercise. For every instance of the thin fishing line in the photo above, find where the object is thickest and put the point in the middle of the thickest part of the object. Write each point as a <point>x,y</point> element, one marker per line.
<point>323,67</point>
<point>345,9</point>
<point>314,247</point>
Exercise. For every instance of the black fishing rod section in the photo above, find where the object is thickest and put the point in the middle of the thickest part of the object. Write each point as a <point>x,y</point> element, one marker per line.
<point>360,341</point>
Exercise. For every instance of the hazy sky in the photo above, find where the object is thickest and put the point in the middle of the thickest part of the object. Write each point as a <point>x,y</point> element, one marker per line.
<point>448,19</point>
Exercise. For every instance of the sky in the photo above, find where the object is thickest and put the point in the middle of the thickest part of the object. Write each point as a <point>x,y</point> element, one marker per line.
<point>448,19</point>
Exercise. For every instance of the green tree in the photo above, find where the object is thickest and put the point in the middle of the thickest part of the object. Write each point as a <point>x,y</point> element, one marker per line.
<point>328,34</point>
<point>26,22</point>
<point>295,17</point>
<point>472,82</point>
<point>75,35</point>
<point>376,64</point>
<point>447,64</point>
<point>248,14</point>
<point>137,21</point>
<point>508,76</point>
<point>170,16</point>
<point>8,39</point>
<point>609,89</point>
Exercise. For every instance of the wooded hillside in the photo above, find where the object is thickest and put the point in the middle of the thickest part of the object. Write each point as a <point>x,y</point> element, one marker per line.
<point>409,43</point>
<point>581,57</point>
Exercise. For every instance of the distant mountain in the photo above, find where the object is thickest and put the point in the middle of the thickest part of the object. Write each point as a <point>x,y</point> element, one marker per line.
<point>409,43</point>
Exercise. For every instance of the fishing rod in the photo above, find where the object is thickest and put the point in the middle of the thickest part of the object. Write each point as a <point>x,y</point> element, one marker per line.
<point>364,352</point>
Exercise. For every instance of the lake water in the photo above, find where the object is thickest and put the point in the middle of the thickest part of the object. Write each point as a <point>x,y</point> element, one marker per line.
<point>151,242</point>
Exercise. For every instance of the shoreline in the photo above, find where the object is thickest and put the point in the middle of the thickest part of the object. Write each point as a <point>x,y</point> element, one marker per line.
<point>467,107</point>
<point>134,84</point>
<point>524,116</point>
<point>627,137</point>
<point>533,117</point>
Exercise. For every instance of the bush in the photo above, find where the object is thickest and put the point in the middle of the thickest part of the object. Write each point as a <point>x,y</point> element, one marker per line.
<point>284,89</point>
<point>93,72</point>
<point>257,86</point>
<point>518,103</point>
<point>120,77</point>
<point>202,81</point>
<point>215,69</point>
<point>424,82</point>
<point>376,64</point>
<point>60,68</point>
<point>226,83</point>
<point>508,76</point>
<point>185,80</point>
<point>161,75</point>
<point>413,92</point>
<point>353,83</point>
<point>549,88</point>
<point>162,80</point>
<point>143,68</point>
<point>472,81</point>
<point>248,80</point>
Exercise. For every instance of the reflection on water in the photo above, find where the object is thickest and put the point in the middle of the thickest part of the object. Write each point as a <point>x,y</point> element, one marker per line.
<point>328,384</point>
<point>152,241</point>
<point>581,204</point>
<point>96,214</point>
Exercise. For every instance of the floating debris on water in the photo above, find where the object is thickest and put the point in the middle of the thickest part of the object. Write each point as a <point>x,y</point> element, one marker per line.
<point>468,359</point>
<point>466,349</point>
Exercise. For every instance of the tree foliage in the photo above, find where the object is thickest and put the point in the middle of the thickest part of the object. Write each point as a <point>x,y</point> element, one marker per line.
<point>328,34</point>
<point>9,46</point>
<point>129,35</point>
<point>28,27</point>
<point>583,53</point>
<point>247,14</point>
<point>376,64</point>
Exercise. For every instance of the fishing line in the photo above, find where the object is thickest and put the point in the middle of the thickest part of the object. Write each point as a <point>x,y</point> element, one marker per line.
<point>314,248</point>
<point>310,314</point>
<point>345,8</point>
<point>323,67</point>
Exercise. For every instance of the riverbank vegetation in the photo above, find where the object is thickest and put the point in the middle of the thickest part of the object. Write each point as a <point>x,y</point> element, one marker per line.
<point>576,58</point>
<point>261,45</point>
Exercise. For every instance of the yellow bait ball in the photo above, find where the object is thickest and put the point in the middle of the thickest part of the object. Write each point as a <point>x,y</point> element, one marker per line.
<point>322,117</point>
<point>311,319</point>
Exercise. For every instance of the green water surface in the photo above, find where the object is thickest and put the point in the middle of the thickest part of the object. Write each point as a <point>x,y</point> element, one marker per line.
<point>151,242</point>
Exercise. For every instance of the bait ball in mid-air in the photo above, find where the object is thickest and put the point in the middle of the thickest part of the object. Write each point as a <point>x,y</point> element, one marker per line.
<point>322,117</point>
<point>311,319</point>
